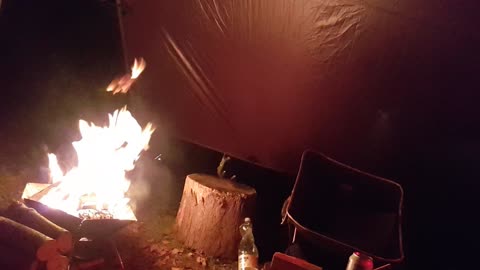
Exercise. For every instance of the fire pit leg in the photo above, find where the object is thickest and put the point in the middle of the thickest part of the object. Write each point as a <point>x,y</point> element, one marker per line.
<point>118,258</point>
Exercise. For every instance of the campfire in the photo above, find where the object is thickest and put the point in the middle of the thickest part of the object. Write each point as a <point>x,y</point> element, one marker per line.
<point>84,204</point>
<point>96,187</point>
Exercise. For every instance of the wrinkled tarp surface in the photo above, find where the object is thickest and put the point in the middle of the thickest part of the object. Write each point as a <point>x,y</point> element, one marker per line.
<point>265,79</point>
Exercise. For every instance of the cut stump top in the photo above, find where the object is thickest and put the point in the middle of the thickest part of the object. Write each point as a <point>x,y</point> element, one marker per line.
<point>222,185</point>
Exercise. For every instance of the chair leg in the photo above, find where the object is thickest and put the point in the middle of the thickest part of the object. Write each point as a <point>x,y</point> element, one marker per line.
<point>384,267</point>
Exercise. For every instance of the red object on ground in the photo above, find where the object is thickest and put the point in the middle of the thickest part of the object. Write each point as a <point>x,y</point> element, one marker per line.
<point>282,261</point>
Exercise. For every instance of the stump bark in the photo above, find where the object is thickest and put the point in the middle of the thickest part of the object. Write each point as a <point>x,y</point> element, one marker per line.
<point>210,213</point>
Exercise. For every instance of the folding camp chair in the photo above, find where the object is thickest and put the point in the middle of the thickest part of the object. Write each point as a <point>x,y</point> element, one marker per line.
<point>335,209</point>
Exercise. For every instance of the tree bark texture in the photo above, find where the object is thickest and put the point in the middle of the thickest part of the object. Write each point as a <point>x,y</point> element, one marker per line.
<point>210,213</point>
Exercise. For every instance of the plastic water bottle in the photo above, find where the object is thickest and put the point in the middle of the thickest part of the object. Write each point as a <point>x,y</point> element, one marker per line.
<point>247,250</point>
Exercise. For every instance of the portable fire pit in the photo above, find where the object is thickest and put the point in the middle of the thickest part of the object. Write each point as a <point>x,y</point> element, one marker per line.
<point>94,247</point>
<point>91,227</point>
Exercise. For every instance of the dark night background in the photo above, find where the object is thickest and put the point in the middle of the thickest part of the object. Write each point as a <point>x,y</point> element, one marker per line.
<point>56,59</point>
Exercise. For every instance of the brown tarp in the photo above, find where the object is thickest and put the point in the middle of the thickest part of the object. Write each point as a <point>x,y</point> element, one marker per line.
<point>265,79</point>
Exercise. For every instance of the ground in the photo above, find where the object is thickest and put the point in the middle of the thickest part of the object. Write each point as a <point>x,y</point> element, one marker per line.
<point>161,251</point>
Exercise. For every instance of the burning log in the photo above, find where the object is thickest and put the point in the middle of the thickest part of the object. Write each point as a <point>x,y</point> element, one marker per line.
<point>211,210</point>
<point>62,219</point>
<point>20,213</point>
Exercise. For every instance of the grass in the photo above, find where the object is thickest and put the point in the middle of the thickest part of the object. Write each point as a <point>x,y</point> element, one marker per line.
<point>10,188</point>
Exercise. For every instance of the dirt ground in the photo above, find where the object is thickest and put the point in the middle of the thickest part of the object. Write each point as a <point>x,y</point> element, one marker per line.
<point>141,248</point>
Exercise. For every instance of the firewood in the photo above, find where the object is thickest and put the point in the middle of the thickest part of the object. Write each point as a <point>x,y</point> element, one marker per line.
<point>210,213</point>
<point>31,242</point>
<point>29,217</point>
<point>58,262</point>
<point>13,258</point>
<point>65,243</point>
<point>33,188</point>
<point>20,236</point>
<point>43,192</point>
<point>62,219</point>
<point>47,251</point>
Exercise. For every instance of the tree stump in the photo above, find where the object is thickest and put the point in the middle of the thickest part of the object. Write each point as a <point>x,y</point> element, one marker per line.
<point>210,213</point>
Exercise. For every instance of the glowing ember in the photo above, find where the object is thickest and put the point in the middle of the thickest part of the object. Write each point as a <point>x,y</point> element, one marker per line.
<point>98,183</point>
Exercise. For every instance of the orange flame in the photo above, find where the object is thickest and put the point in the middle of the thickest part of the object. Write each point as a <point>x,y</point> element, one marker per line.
<point>125,82</point>
<point>138,67</point>
<point>105,154</point>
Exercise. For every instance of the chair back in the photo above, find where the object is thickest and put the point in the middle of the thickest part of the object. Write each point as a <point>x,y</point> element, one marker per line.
<point>343,209</point>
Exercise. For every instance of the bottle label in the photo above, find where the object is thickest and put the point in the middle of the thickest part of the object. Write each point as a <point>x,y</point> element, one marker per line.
<point>247,261</point>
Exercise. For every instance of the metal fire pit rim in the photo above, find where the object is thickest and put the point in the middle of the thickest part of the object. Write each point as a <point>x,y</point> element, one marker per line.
<point>90,228</point>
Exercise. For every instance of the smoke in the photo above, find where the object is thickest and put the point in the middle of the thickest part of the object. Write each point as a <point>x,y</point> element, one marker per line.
<point>152,187</point>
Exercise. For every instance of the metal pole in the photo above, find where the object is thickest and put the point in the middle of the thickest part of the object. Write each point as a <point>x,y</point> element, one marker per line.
<point>120,6</point>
